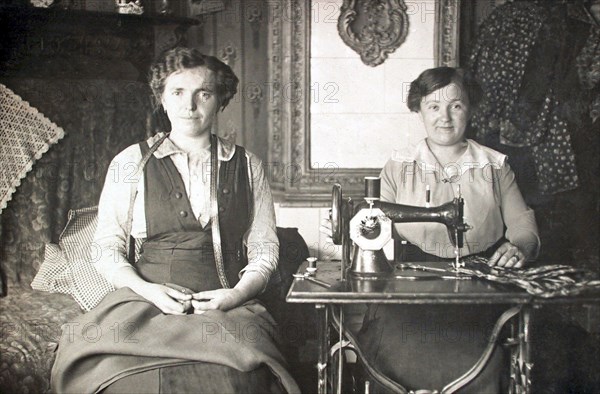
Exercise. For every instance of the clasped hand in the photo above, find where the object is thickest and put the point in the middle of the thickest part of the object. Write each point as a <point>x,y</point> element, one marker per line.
<point>221,299</point>
<point>177,300</point>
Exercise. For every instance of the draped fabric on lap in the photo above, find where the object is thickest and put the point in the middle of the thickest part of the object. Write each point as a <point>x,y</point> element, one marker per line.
<point>242,338</point>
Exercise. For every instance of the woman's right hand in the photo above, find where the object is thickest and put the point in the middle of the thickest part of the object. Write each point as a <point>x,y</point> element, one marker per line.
<point>169,300</point>
<point>509,256</point>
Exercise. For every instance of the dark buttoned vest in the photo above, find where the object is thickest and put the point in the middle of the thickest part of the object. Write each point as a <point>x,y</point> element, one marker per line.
<point>169,215</point>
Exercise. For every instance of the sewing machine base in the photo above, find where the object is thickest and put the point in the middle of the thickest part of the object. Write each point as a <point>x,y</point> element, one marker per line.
<point>370,263</point>
<point>329,290</point>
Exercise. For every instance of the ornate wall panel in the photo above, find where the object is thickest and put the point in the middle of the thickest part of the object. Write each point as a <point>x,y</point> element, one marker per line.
<point>447,34</point>
<point>295,180</point>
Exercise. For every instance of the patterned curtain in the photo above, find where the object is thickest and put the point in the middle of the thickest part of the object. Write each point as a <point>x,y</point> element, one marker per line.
<point>100,118</point>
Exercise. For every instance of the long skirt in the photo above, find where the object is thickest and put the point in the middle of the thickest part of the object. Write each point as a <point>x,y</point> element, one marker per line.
<point>127,335</point>
<point>429,346</point>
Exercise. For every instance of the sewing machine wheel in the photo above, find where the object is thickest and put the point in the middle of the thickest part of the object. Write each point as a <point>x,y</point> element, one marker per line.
<point>335,214</point>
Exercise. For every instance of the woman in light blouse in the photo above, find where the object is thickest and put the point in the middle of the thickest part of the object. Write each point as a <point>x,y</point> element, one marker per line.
<point>427,347</point>
<point>448,163</point>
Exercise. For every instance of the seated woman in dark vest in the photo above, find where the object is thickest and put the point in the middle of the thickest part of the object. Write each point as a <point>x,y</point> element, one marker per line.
<point>184,317</point>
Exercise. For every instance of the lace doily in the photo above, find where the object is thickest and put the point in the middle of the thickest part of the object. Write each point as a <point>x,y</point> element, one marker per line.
<point>25,134</point>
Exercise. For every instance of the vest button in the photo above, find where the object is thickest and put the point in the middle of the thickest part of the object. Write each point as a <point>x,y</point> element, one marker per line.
<point>178,195</point>
<point>221,209</point>
<point>183,214</point>
<point>225,190</point>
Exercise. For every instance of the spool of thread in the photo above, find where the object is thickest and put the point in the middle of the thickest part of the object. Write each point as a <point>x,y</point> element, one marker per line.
<point>372,188</point>
<point>312,265</point>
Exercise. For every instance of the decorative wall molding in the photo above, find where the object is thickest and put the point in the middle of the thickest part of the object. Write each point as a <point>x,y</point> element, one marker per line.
<point>276,108</point>
<point>294,178</point>
<point>255,18</point>
<point>229,54</point>
<point>373,29</point>
<point>447,32</point>
<point>254,94</point>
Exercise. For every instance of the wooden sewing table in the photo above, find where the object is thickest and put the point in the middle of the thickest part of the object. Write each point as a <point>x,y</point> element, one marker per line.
<point>326,289</point>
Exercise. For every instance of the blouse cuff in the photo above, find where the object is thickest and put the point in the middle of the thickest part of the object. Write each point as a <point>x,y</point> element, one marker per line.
<point>264,273</point>
<point>523,233</point>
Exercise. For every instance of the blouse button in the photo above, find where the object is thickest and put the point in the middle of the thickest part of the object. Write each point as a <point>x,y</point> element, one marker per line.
<point>178,196</point>
<point>183,214</point>
<point>225,190</point>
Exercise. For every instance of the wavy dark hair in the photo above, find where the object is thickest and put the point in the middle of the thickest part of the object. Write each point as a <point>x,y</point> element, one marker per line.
<point>182,58</point>
<point>433,79</point>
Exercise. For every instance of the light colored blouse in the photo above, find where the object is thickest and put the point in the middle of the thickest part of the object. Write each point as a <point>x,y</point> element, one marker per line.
<point>260,239</point>
<point>488,186</point>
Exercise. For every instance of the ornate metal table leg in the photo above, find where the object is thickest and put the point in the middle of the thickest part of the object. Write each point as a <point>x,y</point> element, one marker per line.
<point>525,361</point>
<point>340,365</point>
<point>323,335</point>
<point>487,353</point>
<point>520,354</point>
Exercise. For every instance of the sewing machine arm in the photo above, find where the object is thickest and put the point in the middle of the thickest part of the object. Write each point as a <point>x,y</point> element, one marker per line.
<point>449,214</point>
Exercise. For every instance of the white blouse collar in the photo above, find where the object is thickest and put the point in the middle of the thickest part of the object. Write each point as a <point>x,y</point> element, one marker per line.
<point>476,156</point>
<point>226,148</point>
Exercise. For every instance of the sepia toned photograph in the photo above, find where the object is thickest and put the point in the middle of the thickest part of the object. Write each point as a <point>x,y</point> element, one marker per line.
<point>294,196</point>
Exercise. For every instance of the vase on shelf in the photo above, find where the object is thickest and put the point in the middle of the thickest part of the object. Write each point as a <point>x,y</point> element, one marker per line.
<point>129,7</point>
<point>164,7</point>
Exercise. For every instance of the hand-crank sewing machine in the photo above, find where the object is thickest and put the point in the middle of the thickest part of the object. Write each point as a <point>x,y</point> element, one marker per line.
<point>369,227</point>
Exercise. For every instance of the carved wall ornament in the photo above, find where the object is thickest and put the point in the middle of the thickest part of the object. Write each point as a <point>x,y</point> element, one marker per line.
<point>254,94</point>
<point>255,18</point>
<point>228,54</point>
<point>373,28</point>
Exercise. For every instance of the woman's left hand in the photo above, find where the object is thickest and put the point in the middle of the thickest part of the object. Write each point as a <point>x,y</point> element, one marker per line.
<point>221,299</point>
<point>507,255</point>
